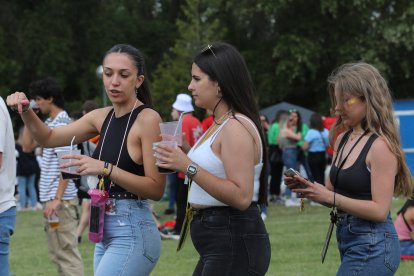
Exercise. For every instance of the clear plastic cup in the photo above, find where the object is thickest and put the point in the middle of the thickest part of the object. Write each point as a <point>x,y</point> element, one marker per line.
<point>172,144</point>
<point>68,173</point>
<point>172,131</point>
<point>53,221</point>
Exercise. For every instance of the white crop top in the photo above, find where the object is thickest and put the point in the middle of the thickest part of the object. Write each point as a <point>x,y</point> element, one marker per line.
<point>204,156</point>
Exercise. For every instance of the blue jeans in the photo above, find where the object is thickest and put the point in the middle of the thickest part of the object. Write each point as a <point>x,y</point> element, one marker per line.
<point>290,160</point>
<point>131,244</point>
<point>407,247</point>
<point>27,183</point>
<point>366,247</point>
<point>230,242</point>
<point>7,224</point>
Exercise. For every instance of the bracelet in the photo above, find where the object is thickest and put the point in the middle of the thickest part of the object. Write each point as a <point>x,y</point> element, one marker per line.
<point>57,198</point>
<point>105,171</point>
<point>112,167</point>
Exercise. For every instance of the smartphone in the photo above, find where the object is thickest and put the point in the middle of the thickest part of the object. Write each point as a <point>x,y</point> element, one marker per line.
<point>291,172</point>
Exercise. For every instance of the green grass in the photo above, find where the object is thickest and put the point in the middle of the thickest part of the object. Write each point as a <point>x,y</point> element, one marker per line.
<point>296,240</point>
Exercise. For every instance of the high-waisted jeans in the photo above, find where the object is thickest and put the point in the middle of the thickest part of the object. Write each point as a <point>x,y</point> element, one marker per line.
<point>131,244</point>
<point>230,242</point>
<point>367,247</point>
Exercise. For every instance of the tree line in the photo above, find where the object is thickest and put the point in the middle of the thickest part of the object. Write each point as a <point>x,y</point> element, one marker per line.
<point>290,46</point>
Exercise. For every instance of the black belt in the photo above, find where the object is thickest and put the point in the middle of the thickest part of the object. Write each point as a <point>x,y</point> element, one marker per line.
<point>227,209</point>
<point>124,195</point>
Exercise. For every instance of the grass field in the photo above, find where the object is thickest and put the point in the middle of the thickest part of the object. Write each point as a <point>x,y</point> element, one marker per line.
<point>296,240</point>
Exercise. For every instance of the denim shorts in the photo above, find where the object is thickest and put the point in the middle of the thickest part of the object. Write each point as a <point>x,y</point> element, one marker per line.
<point>230,242</point>
<point>131,244</point>
<point>367,247</point>
<point>407,247</point>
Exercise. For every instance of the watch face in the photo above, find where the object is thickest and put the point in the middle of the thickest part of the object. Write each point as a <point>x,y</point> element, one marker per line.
<point>192,169</point>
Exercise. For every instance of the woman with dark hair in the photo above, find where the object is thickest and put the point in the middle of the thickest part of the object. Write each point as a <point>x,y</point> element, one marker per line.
<point>300,128</point>
<point>123,158</point>
<point>316,142</point>
<point>226,168</point>
<point>404,224</point>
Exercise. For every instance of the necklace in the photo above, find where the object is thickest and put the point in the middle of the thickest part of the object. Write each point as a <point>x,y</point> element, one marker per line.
<point>123,139</point>
<point>354,135</point>
<point>213,128</point>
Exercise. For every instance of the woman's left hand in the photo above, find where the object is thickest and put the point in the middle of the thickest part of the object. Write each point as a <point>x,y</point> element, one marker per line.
<point>87,165</point>
<point>171,158</point>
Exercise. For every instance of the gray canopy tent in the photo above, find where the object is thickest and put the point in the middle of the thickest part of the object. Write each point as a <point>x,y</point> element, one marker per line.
<point>271,111</point>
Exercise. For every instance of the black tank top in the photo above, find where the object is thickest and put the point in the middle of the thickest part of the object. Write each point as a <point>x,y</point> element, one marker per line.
<point>113,142</point>
<point>355,181</point>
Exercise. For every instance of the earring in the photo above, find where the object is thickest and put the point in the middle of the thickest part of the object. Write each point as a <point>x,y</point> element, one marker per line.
<point>136,90</point>
<point>218,94</point>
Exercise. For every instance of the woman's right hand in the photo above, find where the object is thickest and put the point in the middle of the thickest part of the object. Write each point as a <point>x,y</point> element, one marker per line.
<point>292,183</point>
<point>18,101</point>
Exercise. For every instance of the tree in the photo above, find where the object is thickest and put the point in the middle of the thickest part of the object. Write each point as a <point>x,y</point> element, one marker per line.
<point>197,27</point>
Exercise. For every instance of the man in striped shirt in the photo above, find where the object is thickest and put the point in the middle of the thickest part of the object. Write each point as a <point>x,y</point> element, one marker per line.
<point>56,194</point>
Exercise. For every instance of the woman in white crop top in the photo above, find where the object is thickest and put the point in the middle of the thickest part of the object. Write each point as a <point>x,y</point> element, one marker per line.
<point>225,168</point>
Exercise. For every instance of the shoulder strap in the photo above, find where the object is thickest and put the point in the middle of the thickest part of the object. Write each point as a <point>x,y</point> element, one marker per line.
<point>342,143</point>
<point>323,140</point>
<point>257,133</point>
<point>406,223</point>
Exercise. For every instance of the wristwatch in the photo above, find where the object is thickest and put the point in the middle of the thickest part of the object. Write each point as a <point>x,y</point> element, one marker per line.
<point>191,170</point>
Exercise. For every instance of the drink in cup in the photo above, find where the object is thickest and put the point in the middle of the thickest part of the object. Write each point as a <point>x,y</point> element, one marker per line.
<point>53,221</point>
<point>172,144</point>
<point>68,173</point>
<point>172,131</point>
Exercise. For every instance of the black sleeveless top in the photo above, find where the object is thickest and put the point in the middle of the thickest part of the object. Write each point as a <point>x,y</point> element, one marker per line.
<point>113,142</point>
<point>355,181</point>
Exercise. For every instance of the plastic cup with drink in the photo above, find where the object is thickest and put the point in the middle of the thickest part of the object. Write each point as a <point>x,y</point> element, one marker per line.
<point>70,172</point>
<point>53,221</point>
<point>171,133</point>
<point>172,144</point>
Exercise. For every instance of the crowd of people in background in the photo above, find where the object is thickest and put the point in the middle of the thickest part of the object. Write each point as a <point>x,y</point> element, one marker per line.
<point>231,164</point>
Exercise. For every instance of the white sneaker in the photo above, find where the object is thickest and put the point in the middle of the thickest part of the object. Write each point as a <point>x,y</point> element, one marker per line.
<point>292,202</point>
<point>169,236</point>
<point>264,216</point>
<point>38,207</point>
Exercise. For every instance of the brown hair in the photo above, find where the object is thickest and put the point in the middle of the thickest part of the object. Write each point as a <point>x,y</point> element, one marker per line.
<point>364,81</point>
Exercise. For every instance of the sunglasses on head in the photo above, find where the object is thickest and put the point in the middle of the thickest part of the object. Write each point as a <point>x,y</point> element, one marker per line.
<point>209,47</point>
<point>292,110</point>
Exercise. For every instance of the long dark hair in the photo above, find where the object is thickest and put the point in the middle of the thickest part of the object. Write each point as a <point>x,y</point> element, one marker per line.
<point>407,204</point>
<point>299,123</point>
<point>143,92</point>
<point>223,63</point>
<point>315,122</point>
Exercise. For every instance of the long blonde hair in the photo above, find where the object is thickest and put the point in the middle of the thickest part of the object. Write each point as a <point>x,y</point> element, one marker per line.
<point>364,81</point>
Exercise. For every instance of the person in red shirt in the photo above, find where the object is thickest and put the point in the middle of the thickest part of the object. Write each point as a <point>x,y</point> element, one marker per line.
<point>208,121</point>
<point>327,123</point>
<point>192,130</point>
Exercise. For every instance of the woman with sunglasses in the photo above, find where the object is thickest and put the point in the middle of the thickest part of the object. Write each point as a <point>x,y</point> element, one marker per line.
<point>226,168</point>
<point>369,168</point>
